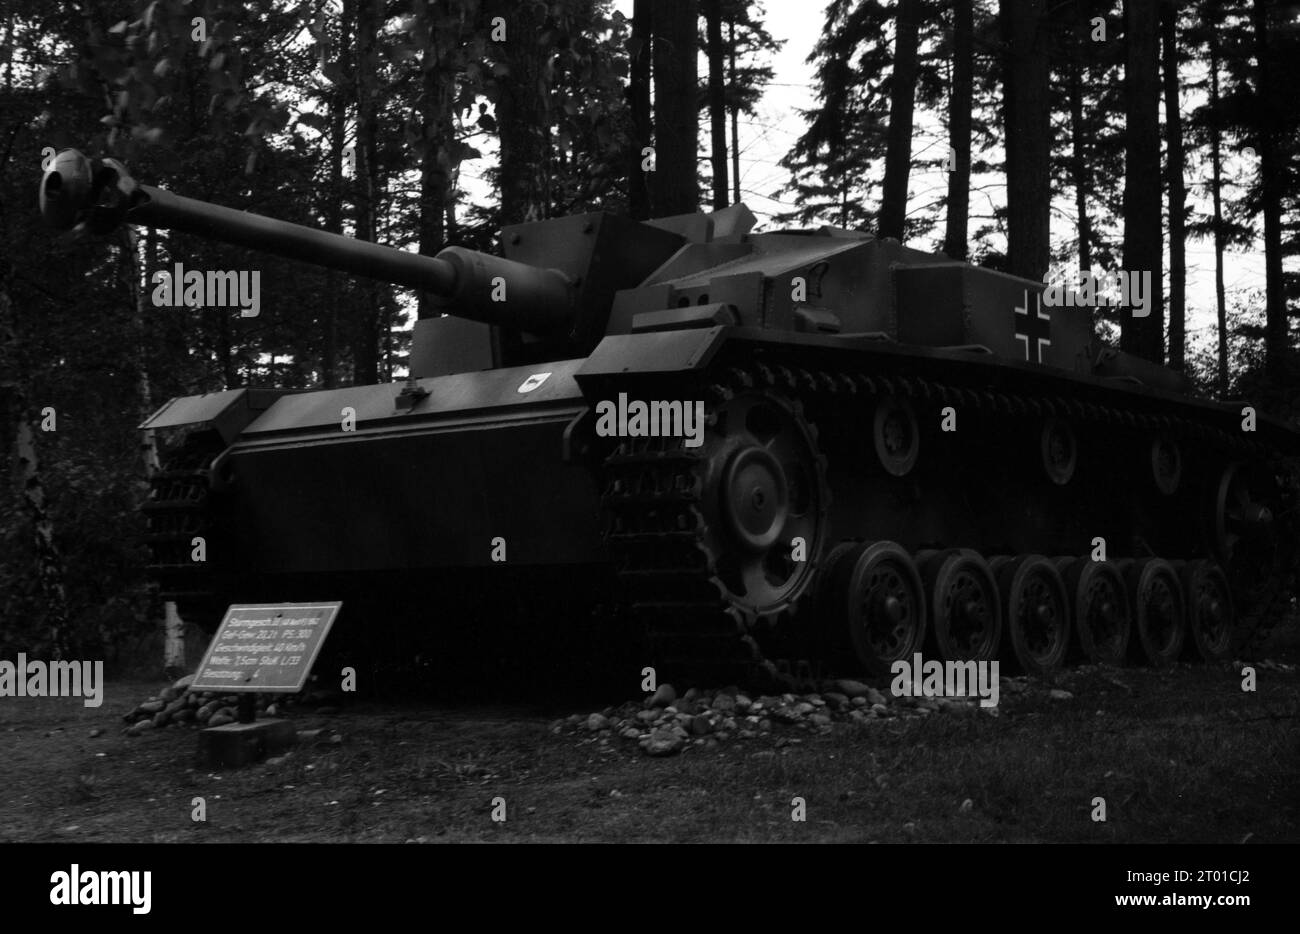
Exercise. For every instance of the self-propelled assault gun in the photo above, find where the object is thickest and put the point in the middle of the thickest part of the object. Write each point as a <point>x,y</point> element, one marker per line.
<point>898,452</point>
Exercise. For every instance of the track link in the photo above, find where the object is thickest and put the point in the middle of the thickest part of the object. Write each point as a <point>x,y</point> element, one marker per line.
<point>656,531</point>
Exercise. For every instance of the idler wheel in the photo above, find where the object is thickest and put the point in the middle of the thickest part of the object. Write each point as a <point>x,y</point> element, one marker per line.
<point>897,435</point>
<point>1166,465</point>
<point>1158,611</point>
<point>877,606</point>
<point>1059,450</point>
<point>965,611</point>
<point>1237,515</point>
<point>1210,614</point>
<point>1036,612</point>
<point>1102,616</point>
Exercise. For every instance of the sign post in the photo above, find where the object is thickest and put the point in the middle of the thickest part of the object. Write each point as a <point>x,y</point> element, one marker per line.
<point>259,648</point>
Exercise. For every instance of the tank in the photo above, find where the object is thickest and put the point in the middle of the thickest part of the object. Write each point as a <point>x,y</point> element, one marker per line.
<point>747,455</point>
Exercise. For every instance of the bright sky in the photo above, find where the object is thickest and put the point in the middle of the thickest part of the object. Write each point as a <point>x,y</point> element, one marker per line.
<point>769,135</point>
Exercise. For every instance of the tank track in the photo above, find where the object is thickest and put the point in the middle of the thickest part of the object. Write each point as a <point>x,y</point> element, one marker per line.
<point>652,489</point>
<point>177,510</point>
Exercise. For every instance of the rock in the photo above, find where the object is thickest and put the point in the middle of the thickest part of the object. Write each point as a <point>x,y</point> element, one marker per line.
<point>597,722</point>
<point>804,708</point>
<point>1058,694</point>
<point>815,699</point>
<point>764,726</point>
<point>272,710</point>
<point>193,700</point>
<point>820,719</point>
<point>96,732</point>
<point>204,713</point>
<point>221,718</point>
<point>664,743</point>
<point>630,732</point>
<point>701,726</point>
<point>140,727</point>
<point>967,805</point>
<point>685,706</point>
<point>151,707</point>
<point>724,703</point>
<point>861,716</point>
<point>837,701</point>
<point>743,703</point>
<point>184,715</point>
<point>874,696</point>
<point>787,715</point>
<point>183,684</point>
<point>851,688</point>
<point>859,702</point>
<point>648,716</point>
<point>670,711</point>
<point>162,718</point>
<point>879,709</point>
<point>177,705</point>
<point>168,695</point>
<point>691,694</point>
<point>664,697</point>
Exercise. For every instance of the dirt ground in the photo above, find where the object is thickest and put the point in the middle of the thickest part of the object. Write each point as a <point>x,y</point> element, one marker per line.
<point>1182,755</point>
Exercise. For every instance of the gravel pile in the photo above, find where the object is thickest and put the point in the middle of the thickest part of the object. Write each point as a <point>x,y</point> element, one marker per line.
<point>178,705</point>
<point>664,724</point>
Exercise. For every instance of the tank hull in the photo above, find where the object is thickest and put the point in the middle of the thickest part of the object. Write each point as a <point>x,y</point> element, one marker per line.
<point>503,477</point>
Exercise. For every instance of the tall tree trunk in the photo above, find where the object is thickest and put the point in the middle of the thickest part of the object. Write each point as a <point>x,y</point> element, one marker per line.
<point>717,102</point>
<point>638,100</point>
<point>522,116</point>
<point>1079,174</point>
<point>959,106</point>
<point>1216,193</point>
<point>332,208</point>
<point>1177,189</point>
<point>435,183</point>
<point>735,114</point>
<point>674,189</point>
<point>50,573</point>
<point>1028,132</point>
<point>1143,235</point>
<point>365,352</point>
<point>137,272</point>
<point>898,153</point>
<point>1272,185</point>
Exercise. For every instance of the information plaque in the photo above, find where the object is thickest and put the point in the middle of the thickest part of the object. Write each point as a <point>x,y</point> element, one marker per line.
<point>265,647</point>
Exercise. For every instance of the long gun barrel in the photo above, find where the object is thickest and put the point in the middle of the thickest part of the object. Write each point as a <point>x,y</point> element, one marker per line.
<point>75,193</point>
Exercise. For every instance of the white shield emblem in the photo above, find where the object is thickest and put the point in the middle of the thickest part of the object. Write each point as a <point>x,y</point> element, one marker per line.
<point>532,382</point>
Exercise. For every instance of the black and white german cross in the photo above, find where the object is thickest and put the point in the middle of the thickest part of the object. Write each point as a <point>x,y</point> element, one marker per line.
<point>1034,329</point>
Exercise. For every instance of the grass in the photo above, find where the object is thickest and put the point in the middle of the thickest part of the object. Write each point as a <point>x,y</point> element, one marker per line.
<point>1181,755</point>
